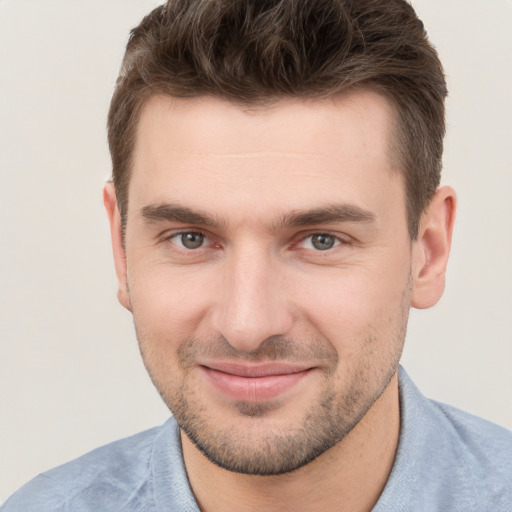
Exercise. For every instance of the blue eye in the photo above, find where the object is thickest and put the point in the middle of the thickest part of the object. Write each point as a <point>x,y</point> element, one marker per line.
<point>320,242</point>
<point>189,239</point>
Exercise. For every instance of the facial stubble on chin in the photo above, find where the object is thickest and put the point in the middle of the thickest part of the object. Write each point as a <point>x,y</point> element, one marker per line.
<point>326,423</point>
<point>241,446</point>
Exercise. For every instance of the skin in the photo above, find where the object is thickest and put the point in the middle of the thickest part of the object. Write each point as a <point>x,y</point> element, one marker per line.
<point>256,296</point>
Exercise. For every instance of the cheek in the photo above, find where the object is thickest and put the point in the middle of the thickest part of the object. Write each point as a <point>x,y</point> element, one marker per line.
<point>168,305</point>
<point>357,305</point>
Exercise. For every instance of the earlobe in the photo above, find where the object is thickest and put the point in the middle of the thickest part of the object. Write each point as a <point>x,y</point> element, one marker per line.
<point>432,248</point>
<point>116,232</point>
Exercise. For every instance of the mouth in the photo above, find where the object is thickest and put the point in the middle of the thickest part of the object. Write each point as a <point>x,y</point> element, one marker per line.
<point>253,382</point>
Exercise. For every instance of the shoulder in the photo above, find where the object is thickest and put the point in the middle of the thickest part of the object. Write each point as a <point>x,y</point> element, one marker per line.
<point>486,448</point>
<point>449,458</point>
<point>103,479</point>
<point>482,437</point>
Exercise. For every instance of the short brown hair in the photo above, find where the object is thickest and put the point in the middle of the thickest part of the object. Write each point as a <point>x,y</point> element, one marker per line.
<point>258,51</point>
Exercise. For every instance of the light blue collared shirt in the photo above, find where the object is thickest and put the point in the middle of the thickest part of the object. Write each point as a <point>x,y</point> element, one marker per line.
<point>447,461</point>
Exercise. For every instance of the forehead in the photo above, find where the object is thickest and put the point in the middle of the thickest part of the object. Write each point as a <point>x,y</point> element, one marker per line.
<point>287,154</point>
<point>292,119</point>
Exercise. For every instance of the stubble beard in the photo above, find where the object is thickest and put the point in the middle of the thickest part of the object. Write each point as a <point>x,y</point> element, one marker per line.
<point>328,421</point>
<point>276,451</point>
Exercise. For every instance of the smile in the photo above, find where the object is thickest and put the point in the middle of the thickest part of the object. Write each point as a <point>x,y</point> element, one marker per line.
<point>253,383</point>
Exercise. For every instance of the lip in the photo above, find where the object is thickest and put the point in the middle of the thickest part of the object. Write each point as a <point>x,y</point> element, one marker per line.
<point>253,383</point>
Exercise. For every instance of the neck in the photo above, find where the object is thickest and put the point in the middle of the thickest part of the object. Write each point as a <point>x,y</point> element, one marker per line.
<point>349,476</point>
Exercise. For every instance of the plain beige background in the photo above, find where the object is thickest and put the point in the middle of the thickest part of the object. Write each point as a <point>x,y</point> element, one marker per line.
<point>70,374</point>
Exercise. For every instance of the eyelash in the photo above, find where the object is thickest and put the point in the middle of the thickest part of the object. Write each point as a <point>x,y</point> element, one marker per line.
<point>174,236</point>
<point>337,240</point>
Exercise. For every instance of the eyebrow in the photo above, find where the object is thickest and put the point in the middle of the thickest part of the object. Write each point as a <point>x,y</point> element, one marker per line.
<point>174,213</point>
<point>324,215</point>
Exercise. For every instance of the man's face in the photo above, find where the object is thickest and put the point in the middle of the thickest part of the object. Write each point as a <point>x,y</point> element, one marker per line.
<point>268,271</point>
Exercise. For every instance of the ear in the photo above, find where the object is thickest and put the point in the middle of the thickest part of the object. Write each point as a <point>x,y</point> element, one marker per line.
<point>432,248</point>
<point>116,232</point>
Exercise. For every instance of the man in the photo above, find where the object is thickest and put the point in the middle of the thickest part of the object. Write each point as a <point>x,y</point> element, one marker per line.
<point>275,212</point>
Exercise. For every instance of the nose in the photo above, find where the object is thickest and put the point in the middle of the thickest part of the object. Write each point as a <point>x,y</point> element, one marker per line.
<point>253,303</point>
